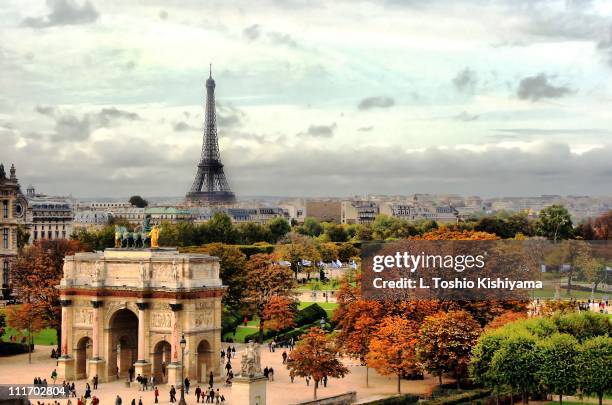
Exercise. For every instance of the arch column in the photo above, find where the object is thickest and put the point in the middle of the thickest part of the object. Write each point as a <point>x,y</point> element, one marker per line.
<point>97,365</point>
<point>142,366</point>
<point>174,368</point>
<point>65,364</point>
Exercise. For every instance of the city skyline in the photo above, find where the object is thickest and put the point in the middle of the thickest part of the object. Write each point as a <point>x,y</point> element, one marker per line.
<point>106,99</point>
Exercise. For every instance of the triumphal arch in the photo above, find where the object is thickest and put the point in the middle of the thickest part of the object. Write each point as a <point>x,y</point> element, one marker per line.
<point>128,309</point>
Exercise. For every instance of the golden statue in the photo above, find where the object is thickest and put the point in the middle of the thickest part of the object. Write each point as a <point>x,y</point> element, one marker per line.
<point>154,237</point>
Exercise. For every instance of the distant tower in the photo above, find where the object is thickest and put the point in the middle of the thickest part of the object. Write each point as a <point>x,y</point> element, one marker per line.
<point>210,185</point>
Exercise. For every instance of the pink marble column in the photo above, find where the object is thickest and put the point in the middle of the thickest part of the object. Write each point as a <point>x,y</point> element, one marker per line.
<point>176,308</point>
<point>65,322</point>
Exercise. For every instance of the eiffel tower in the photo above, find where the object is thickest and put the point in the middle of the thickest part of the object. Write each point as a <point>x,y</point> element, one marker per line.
<point>210,186</point>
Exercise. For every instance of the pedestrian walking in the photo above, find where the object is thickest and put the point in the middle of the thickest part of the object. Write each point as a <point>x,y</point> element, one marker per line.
<point>156,393</point>
<point>118,400</point>
<point>172,394</point>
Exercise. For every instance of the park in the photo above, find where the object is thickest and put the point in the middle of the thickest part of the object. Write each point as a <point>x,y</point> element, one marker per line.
<point>171,316</point>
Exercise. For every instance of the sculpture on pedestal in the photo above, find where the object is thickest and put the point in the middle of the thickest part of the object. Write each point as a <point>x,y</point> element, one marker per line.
<point>251,360</point>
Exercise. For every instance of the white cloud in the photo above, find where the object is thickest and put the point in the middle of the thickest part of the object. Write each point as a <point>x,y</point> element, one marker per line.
<point>284,69</point>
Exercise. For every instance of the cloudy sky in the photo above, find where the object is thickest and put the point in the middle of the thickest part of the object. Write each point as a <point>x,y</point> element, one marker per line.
<point>488,97</point>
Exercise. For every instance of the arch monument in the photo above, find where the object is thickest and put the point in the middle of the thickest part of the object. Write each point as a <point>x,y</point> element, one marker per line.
<point>126,309</point>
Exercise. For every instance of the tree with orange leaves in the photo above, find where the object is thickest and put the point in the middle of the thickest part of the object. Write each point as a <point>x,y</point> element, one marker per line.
<point>392,348</point>
<point>279,314</point>
<point>27,320</point>
<point>505,318</point>
<point>37,272</point>
<point>357,322</point>
<point>445,343</point>
<point>316,356</point>
<point>444,233</point>
<point>268,283</point>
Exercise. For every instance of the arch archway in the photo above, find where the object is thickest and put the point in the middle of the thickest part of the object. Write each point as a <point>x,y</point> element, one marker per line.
<point>204,360</point>
<point>161,359</point>
<point>83,352</point>
<point>123,329</point>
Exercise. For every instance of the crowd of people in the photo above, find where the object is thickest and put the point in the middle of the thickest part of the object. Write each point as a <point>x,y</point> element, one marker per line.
<point>209,394</point>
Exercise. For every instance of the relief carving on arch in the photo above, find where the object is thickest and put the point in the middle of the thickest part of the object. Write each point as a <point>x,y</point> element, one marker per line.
<point>161,319</point>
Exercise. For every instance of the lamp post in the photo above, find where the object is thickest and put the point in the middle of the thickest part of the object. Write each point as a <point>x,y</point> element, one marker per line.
<point>183,343</point>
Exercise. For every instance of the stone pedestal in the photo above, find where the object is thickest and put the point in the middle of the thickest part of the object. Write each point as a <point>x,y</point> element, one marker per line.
<point>142,368</point>
<point>174,375</point>
<point>249,390</point>
<point>65,368</point>
<point>97,367</point>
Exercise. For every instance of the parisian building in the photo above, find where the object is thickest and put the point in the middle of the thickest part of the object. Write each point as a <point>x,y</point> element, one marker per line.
<point>12,220</point>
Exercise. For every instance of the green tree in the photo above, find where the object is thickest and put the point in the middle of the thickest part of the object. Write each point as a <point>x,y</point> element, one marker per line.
<point>363,232</point>
<point>572,253</point>
<point>250,233</point>
<point>554,223</point>
<point>515,364</point>
<point>595,365</point>
<point>346,251</point>
<point>335,232</point>
<point>557,368</point>
<point>221,229</point>
<point>312,227</point>
<point>385,226</point>
<point>232,271</point>
<point>279,227</point>
<point>138,201</point>
<point>482,356</point>
<point>328,251</point>
<point>297,248</point>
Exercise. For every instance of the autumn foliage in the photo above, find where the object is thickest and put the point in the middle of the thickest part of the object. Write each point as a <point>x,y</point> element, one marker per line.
<point>279,314</point>
<point>269,285</point>
<point>37,272</point>
<point>443,233</point>
<point>445,343</point>
<point>392,348</point>
<point>506,318</point>
<point>316,356</point>
<point>25,317</point>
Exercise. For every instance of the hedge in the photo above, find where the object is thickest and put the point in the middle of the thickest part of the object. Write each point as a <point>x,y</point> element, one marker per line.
<point>310,314</point>
<point>397,400</point>
<point>286,335</point>
<point>248,250</point>
<point>12,348</point>
<point>460,398</point>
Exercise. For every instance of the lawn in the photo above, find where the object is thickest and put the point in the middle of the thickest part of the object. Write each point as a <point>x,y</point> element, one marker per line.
<point>550,293</point>
<point>253,325</point>
<point>329,307</point>
<point>44,337</point>
<point>241,333</point>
